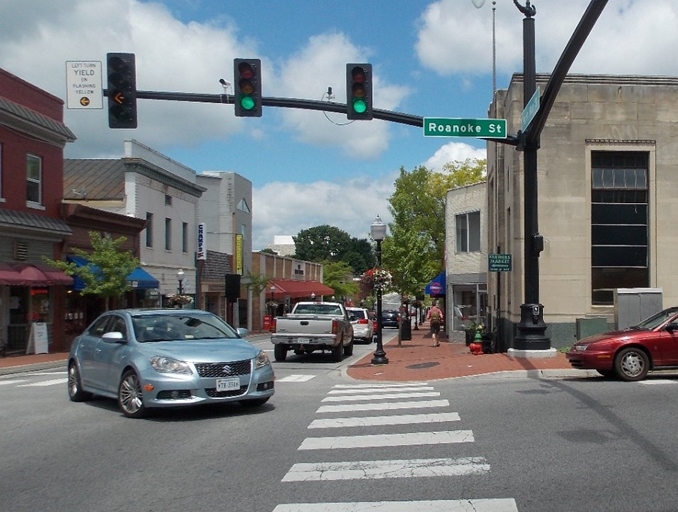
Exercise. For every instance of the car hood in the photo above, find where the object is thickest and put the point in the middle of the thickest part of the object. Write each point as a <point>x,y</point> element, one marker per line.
<point>206,351</point>
<point>622,335</point>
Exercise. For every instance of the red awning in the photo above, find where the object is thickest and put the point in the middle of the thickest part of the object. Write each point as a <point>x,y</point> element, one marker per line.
<point>9,276</point>
<point>32,274</point>
<point>297,289</point>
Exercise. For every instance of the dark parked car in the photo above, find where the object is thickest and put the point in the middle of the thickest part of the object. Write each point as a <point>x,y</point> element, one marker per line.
<point>629,354</point>
<point>149,358</point>
<point>390,318</point>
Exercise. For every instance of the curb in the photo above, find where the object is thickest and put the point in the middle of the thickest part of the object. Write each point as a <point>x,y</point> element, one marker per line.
<point>33,367</point>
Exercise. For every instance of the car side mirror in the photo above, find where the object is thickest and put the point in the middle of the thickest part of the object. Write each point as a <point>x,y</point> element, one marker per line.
<point>114,336</point>
<point>672,327</point>
<point>242,332</point>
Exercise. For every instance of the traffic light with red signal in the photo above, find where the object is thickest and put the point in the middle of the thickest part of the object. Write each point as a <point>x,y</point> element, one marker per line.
<point>359,91</point>
<point>247,87</point>
<point>122,90</point>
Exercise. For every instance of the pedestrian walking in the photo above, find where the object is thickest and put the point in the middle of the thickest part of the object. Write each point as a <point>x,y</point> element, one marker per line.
<point>435,316</point>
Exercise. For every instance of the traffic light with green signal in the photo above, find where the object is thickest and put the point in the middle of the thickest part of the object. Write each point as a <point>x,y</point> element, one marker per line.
<point>247,87</point>
<point>359,91</point>
<point>122,90</point>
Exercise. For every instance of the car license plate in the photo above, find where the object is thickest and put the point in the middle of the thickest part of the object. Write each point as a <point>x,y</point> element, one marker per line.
<point>228,384</point>
<point>303,340</point>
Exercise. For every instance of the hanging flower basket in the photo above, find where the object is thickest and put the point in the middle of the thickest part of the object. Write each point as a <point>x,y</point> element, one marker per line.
<point>178,300</point>
<point>377,278</point>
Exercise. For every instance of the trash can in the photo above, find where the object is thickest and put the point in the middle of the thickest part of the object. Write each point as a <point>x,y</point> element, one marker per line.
<point>406,329</point>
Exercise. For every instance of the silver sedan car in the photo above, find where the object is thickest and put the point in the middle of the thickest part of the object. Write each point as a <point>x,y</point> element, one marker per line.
<point>149,358</point>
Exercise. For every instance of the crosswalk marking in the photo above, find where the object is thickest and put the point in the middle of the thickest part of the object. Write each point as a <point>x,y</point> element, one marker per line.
<point>379,469</point>
<point>380,390</point>
<point>392,385</point>
<point>296,378</point>
<point>657,381</point>
<point>385,396</point>
<point>381,440</point>
<point>44,383</point>
<point>16,381</point>
<point>371,421</point>
<point>391,406</point>
<point>480,505</point>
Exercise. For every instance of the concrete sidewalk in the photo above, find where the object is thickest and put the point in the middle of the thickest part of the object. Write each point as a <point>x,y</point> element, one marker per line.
<point>413,360</point>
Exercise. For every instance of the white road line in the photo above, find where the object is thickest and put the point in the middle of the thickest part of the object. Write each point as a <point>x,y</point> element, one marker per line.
<point>365,386</point>
<point>4,382</point>
<point>44,383</point>
<point>380,390</point>
<point>381,440</point>
<point>392,406</point>
<point>657,381</point>
<point>52,373</point>
<point>479,505</point>
<point>371,421</point>
<point>377,469</point>
<point>389,396</point>
<point>296,378</point>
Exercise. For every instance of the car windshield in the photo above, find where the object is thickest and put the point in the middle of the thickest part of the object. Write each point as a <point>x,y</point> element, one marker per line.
<point>317,309</point>
<point>656,320</point>
<point>181,327</point>
<point>357,314</point>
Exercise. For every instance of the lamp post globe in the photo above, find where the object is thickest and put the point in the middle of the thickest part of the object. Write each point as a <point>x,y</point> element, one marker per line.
<point>378,233</point>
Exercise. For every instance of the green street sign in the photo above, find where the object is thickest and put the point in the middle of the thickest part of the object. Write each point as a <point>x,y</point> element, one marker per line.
<point>499,262</point>
<point>445,127</point>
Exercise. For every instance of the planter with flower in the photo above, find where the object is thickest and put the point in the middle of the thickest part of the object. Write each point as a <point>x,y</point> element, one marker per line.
<point>377,278</point>
<point>178,301</point>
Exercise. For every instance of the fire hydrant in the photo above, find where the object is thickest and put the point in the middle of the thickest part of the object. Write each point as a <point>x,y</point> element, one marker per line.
<point>476,345</point>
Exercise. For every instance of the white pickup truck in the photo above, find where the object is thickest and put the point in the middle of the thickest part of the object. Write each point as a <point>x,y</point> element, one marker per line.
<point>313,326</point>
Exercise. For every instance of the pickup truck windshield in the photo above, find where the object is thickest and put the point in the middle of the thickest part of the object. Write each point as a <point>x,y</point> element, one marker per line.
<point>317,309</point>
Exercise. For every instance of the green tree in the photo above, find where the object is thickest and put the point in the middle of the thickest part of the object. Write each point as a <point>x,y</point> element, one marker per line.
<point>329,243</point>
<point>338,275</point>
<point>414,252</point>
<point>108,268</point>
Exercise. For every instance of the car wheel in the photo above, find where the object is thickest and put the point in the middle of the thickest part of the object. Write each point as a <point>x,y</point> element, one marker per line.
<point>337,352</point>
<point>75,392</point>
<point>631,364</point>
<point>348,349</point>
<point>256,402</point>
<point>280,352</point>
<point>131,396</point>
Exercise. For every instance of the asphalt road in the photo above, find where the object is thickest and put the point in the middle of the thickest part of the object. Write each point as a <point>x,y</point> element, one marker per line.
<point>481,443</point>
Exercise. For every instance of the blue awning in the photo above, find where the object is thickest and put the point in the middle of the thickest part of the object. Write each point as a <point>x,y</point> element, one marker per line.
<point>437,287</point>
<point>139,278</point>
<point>143,280</point>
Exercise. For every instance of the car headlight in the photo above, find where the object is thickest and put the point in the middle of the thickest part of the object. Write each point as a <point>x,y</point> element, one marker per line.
<point>261,360</point>
<point>581,348</point>
<point>163,364</point>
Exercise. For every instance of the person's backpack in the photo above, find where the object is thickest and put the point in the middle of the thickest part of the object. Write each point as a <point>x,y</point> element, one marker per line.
<point>435,316</point>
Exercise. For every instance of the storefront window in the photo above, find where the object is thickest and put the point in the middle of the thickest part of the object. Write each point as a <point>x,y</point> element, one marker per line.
<point>39,304</point>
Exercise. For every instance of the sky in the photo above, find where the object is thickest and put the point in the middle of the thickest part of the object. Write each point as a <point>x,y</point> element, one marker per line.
<point>307,168</point>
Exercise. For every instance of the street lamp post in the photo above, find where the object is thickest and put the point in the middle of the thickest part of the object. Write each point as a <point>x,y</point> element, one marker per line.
<point>378,232</point>
<point>180,278</point>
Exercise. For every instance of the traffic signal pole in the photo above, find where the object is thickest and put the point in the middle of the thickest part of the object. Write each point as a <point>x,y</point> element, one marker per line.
<point>326,106</point>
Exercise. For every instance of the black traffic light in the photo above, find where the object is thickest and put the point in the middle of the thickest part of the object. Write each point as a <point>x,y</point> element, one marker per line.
<point>247,87</point>
<point>122,90</point>
<point>359,91</point>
